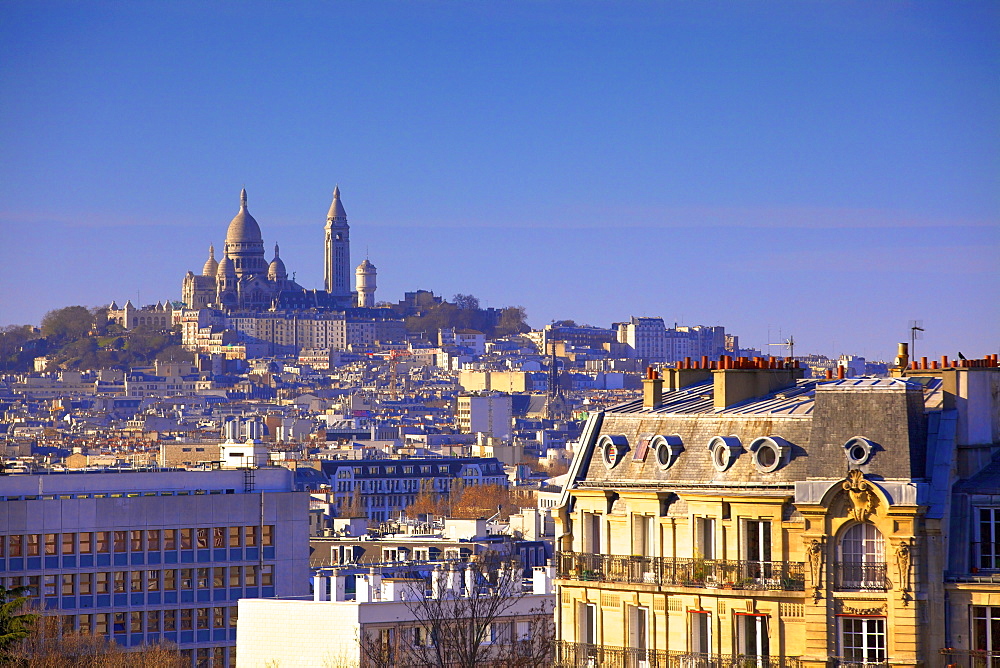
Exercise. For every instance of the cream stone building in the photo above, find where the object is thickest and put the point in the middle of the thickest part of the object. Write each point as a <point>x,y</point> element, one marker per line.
<point>745,515</point>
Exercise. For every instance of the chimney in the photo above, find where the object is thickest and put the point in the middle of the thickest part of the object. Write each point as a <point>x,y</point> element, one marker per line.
<point>733,386</point>
<point>652,389</point>
<point>903,356</point>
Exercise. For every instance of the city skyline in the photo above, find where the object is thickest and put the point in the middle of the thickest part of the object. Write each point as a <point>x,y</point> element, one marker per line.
<point>822,171</point>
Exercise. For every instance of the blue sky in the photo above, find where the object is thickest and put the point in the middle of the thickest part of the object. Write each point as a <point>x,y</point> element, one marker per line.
<point>829,170</point>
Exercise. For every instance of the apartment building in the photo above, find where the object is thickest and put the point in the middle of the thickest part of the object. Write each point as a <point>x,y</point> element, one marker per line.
<point>145,557</point>
<point>384,487</point>
<point>485,412</point>
<point>745,515</point>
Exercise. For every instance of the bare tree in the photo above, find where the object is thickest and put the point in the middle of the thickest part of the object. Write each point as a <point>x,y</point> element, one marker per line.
<point>466,616</point>
<point>49,646</point>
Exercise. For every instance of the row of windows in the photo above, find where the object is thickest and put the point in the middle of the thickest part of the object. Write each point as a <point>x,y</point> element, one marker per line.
<point>150,621</point>
<point>115,495</point>
<point>135,540</point>
<point>120,582</point>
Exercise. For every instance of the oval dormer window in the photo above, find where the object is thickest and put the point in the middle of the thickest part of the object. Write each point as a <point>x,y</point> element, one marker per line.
<point>770,453</point>
<point>724,451</point>
<point>612,449</point>
<point>859,450</point>
<point>666,449</point>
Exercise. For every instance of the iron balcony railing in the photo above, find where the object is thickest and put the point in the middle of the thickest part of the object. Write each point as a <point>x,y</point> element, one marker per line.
<point>583,655</point>
<point>847,662</point>
<point>857,576</point>
<point>720,573</point>
<point>970,658</point>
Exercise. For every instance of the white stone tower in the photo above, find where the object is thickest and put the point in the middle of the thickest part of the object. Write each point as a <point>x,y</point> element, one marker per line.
<point>337,250</point>
<point>365,275</point>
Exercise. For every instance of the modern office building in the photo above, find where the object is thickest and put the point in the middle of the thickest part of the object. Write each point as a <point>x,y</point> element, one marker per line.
<point>748,516</point>
<point>144,557</point>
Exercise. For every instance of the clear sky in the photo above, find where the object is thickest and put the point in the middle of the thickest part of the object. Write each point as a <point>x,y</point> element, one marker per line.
<point>828,170</point>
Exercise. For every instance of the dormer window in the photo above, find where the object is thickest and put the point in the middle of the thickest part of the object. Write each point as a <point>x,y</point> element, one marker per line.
<point>770,453</point>
<point>666,449</point>
<point>612,449</point>
<point>859,450</point>
<point>724,451</point>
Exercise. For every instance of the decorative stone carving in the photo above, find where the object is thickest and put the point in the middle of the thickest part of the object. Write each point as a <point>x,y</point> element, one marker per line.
<point>903,567</point>
<point>814,552</point>
<point>859,492</point>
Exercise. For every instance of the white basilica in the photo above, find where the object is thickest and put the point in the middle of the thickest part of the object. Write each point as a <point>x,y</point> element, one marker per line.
<point>243,280</point>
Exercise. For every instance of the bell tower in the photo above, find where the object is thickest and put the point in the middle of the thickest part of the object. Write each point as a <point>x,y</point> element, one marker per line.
<point>337,250</point>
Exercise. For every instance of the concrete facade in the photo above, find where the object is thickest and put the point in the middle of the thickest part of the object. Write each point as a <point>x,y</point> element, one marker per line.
<point>155,556</point>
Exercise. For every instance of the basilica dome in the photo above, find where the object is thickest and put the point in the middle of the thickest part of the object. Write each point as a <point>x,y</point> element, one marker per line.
<point>243,228</point>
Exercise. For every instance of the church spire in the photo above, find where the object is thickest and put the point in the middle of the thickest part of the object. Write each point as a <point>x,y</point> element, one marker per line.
<point>336,213</point>
<point>243,198</point>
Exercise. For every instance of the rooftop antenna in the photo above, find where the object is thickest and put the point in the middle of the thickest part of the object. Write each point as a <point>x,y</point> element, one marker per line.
<point>916,332</point>
<point>787,343</point>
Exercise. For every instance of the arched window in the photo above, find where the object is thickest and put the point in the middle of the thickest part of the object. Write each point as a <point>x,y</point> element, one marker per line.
<point>862,558</point>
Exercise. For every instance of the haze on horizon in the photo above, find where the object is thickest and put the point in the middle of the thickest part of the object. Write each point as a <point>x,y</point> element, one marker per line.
<point>827,170</point>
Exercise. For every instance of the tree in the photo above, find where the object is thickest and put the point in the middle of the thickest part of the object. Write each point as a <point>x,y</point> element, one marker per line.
<point>472,617</point>
<point>67,324</point>
<point>466,302</point>
<point>15,624</point>
<point>512,321</point>
<point>49,646</point>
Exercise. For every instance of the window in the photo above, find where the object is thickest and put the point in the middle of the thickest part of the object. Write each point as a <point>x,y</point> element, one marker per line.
<point>51,542</point>
<point>988,538</point>
<point>202,578</point>
<point>203,618</point>
<point>704,538</point>
<point>135,622</point>
<point>153,580</point>
<point>250,536</point>
<point>234,576</point>
<point>16,544</point>
<point>187,578</point>
<point>666,449</point>
<point>153,540</point>
<point>638,630</point>
<point>643,535</point>
<point>33,545</point>
<point>103,583</point>
<point>169,580</point>
<point>219,537</point>
<point>203,538</point>
<point>86,543</point>
<point>67,584</point>
<point>234,537</point>
<point>187,538</point>
<point>69,543</point>
<point>152,621</point>
<point>187,619</point>
<point>587,632</point>
<point>169,620</point>
<point>863,639</point>
<point>267,575</point>
<point>101,623</point>
<point>119,582</point>
<point>862,558</point>
<point>218,618</point>
<point>267,538</point>
<point>102,540</point>
<point>757,550</point>
<point>219,577</point>
<point>752,637</point>
<point>135,540</point>
<point>86,584</point>
<point>701,632</point>
<point>170,539</point>
<point>986,628</point>
<point>120,541</point>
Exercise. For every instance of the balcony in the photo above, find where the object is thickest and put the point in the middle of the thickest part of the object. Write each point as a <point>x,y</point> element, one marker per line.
<point>970,658</point>
<point>856,576</point>
<point>704,573</point>
<point>582,655</point>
